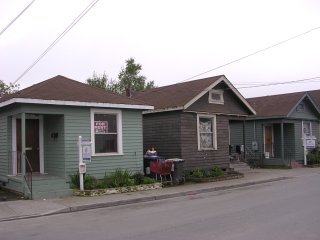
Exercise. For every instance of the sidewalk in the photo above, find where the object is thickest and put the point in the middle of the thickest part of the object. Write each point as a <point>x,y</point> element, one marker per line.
<point>21,209</point>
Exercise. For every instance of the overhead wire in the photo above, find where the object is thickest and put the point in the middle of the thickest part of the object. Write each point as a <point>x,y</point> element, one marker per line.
<point>253,53</point>
<point>13,20</point>
<point>66,30</point>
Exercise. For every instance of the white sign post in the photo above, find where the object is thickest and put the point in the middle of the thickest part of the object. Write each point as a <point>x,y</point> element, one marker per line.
<point>84,155</point>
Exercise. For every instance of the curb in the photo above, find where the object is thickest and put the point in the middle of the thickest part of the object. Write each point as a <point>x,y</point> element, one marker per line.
<point>143,199</point>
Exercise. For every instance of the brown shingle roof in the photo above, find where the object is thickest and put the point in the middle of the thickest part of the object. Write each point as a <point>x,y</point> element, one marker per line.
<point>275,105</point>
<point>315,95</point>
<point>61,88</point>
<point>176,95</point>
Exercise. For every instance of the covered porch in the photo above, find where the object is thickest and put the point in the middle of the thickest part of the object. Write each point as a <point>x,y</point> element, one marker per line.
<point>278,143</point>
<point>35,157</point>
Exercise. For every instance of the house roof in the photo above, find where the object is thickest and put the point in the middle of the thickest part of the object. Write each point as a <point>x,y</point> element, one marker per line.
<point>278,105</point>
<point>60,90</point>
<point>182,95</point>
<point>315,95</point>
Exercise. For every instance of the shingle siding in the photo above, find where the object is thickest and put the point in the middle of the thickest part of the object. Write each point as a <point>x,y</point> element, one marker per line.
<point>195,158</point>
<point>162,131</point>
<point>232,104</point>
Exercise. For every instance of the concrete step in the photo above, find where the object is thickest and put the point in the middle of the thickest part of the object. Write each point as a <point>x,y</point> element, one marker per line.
<point>240,167</point>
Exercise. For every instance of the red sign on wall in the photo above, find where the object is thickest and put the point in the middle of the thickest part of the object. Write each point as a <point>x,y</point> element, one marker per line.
<point>100,127</point>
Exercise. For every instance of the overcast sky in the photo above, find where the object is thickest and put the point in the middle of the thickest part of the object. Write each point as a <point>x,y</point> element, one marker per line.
<point>173,40</point>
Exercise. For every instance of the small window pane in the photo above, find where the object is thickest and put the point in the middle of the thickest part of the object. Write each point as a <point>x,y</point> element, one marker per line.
<point>216,96</point>
<point>105,143</point>
<point>105,123</point>
<point>307,128</point>
<point>206,140</point>
<point>205,125</point>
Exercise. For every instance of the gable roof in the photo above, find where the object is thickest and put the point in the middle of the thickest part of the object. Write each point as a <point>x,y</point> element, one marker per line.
<point>280,105</point>
<point>60,90</point>
<point>315,95</point>
<point>182,95</point>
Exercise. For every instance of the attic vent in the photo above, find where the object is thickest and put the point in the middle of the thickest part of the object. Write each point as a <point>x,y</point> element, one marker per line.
<point>216,96</point>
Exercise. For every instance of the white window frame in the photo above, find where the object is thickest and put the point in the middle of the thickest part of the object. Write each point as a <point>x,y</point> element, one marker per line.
<point>118,114</point>
<point>214,132</point>
<point>215,101</point>
<point>310,127</point>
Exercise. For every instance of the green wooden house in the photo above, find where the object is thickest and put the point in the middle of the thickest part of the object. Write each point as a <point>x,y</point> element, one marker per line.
<point>274,136</point>
<point>39,130</point>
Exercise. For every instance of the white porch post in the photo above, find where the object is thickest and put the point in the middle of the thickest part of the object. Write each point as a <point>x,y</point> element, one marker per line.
<point>23,143</point>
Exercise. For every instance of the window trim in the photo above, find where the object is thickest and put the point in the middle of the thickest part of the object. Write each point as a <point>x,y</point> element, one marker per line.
<point>118,114</point>
<point>215,101</point>
<point>214,132</point>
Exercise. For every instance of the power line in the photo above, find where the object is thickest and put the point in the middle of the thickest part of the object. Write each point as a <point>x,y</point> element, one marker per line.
<point>13,20</point>
<point>70,26</point>
<point>281,83</point>
<point>251,54</point>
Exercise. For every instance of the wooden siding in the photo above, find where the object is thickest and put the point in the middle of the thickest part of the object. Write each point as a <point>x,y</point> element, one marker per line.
<point>162,131</point>
<point>289,141</point>
<point>307,113</point>
<point>293,149</point>
<point>4,164</point>
<point>236,132</point>
<point>232,104</point>
<point>54,152</point>
<point>204,158</point>
<point>61,155</point>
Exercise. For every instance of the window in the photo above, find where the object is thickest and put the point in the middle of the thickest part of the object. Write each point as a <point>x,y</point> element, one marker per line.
<point>306,128</point>
<point>106,132</point>
<point>216,96</point>
<point>207,138</point>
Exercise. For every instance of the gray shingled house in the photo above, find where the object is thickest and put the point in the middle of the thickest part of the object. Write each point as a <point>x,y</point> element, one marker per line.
<point>274,135</point>
<point>191,120</point>
<point>40,125</point>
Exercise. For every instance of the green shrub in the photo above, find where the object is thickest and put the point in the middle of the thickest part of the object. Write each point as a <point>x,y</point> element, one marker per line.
<point>90,182</point>
<point>200,173</point>
<point>148,180</point>
<point>121,178</point>
<point>313,157</point>
<point>217,172</point>
<point>75,180</point>
<point>138,178</point>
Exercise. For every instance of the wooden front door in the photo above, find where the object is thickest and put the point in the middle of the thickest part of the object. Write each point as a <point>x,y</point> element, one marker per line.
<point>268,140</point>
<point>32,143</point>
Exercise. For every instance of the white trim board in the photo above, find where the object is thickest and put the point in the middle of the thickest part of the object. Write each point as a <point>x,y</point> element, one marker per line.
<point>75,103</point>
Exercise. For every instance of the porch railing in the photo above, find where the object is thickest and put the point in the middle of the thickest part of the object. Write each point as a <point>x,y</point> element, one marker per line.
<point>28,175</point>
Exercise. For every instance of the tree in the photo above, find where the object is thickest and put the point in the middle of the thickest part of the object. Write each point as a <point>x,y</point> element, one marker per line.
<point>130,78</point>
<point>102,81</point>
<point>7,89</point>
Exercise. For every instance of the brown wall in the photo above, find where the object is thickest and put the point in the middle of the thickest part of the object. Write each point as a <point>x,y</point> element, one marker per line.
<point>162,131</point>
<point>174,135</point>
<point>204,158</point>
<point>232,104</point>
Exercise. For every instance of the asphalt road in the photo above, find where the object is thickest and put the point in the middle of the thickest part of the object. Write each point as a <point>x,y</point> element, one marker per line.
<point>283,210</point>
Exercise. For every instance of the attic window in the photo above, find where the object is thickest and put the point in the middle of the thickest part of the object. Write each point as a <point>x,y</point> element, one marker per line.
<point>216,96</point>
